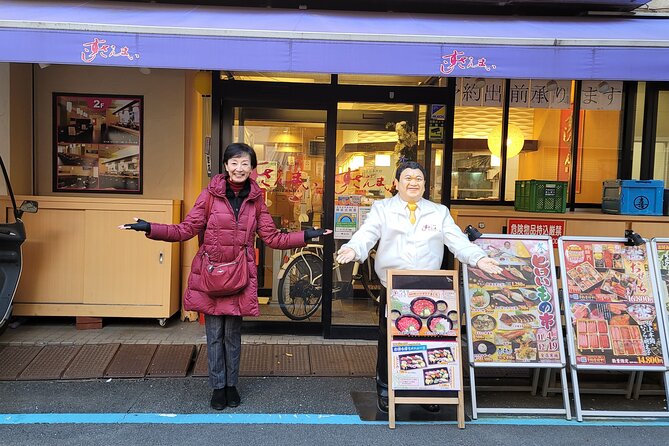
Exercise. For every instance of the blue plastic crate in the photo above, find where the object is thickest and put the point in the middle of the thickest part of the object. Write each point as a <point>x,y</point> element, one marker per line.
<point>633,197</point>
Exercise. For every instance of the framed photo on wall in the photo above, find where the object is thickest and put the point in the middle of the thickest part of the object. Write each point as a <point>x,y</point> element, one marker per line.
<point>97,143</point>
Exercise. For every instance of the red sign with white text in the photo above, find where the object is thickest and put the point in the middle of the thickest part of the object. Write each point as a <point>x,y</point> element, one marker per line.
<point>522,226</point>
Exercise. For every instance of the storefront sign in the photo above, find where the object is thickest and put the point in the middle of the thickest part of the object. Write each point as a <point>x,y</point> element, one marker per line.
<point>514,316</point>
<point>459,60</point>
<point>522,226</point>
<point>601,95</point>
<point>100,48</point>
<point>613,316</point>
<point>97,143</point>
<point>523,93</point>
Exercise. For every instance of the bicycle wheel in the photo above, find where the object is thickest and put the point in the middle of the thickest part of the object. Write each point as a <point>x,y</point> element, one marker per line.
<point>300,289</point>
<point>370,281</point>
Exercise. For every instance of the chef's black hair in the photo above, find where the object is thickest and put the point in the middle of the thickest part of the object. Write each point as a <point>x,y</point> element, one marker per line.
<point>408,165</point>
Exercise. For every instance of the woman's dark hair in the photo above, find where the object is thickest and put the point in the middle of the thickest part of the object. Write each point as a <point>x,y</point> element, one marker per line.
<point>408,165</point>
<point>238,149</point>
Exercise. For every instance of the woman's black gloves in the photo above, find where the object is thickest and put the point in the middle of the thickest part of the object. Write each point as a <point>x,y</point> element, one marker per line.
<point>141,225</point>
<point>313,233</point>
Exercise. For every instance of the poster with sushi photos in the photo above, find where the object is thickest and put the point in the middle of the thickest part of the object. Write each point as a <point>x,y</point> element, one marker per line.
<point>613,310</point>
<point>425,365</point>
<point>514,317</point>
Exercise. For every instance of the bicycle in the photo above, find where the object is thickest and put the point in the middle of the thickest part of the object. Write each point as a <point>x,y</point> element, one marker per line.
<point>300,288</point>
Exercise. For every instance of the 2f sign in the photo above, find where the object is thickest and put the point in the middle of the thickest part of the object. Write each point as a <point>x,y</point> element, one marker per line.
<point>97,103</point>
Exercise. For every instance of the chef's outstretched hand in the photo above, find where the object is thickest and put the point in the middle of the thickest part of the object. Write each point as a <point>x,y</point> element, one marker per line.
<point>139,225</point>
<point>345,255</point>
<point>489,265</point>
<point>315,232</point>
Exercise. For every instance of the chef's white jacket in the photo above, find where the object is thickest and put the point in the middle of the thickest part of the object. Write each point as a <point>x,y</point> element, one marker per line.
<point>407,246</point>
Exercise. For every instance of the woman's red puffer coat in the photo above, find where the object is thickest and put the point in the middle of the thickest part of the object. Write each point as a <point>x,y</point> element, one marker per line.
<point>221,239</point>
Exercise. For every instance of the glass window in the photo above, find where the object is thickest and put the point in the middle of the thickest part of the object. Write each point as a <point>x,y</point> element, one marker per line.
<point>538,135</point>
<point>546,149</point>
<point>599,138</point>
<point>638,129</point>
<point>661,169</point>
<point>474,175</point>
<point>661,166</point>
<point>372,138</point>
<point>291,159</point>
<point>402,81</point>
<point>267,76</point>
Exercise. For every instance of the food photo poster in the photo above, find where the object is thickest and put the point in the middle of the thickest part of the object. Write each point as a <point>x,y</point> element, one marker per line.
<point>612,309</point>
<point>514,315</point>
<point>425,365</point>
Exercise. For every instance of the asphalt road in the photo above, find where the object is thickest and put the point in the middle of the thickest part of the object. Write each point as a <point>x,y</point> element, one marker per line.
<point>278,411</point>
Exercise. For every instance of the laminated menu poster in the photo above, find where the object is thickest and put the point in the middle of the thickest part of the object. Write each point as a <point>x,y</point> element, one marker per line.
<point>662,258</point>
<point>425,365</point>
<point>423,312</point>
<point>612,311</point>
<point>514,315</point>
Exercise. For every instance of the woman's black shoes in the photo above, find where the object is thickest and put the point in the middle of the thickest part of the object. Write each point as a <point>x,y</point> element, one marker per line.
<point>232,396</point>
<point>219,399</point>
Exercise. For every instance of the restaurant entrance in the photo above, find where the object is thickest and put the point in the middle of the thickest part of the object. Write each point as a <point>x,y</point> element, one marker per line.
<point>325,154</point>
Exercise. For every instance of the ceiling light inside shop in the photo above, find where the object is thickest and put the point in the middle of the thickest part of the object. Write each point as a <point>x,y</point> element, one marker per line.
<point>357,161</point>
<point>514,141</point>
<point>381,160</point>
<point>285,139</point>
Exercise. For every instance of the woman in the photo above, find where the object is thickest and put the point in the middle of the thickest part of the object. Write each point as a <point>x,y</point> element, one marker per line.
<point>230,211</point>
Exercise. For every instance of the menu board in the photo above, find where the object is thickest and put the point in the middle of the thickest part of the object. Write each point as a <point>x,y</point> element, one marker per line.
<point>425,365</point>
<point>661,257</point>
<point>514,316</point>
<point>661,247</point>
<point>423,334</point>
<point>612,311</point>
<point>423,312</point>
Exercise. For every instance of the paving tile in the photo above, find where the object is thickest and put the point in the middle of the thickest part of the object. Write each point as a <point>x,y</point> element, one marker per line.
<point>257,360</point>
<point>50,362</point>
<point>131,361</point>
<point>15,358</point>
<point>361,359</point>
<point>91,361</point>
<point>291,360</point>
<point>328,360</point>
<point>171,361</point>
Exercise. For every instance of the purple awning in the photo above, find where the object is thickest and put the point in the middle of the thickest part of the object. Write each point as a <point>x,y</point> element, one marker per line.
<point>258,39</point>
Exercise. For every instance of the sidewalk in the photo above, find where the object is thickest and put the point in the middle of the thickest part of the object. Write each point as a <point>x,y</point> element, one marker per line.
<point>62,331</point>
<point>53,349</point>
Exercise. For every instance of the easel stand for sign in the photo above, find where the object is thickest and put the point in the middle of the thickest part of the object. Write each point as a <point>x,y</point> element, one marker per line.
<point>424,355</point>
<point>513,317</point>
<point>580,412</point>
<point>615,320</point>
<point>476,409</point>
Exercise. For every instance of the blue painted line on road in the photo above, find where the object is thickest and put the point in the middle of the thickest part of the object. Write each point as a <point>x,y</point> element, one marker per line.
<point>315,419</point>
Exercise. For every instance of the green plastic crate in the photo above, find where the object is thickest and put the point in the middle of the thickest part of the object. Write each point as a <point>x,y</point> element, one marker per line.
<point>541,196</point>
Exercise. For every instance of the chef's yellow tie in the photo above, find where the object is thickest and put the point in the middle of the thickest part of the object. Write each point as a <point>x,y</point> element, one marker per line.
<point>412,212</point>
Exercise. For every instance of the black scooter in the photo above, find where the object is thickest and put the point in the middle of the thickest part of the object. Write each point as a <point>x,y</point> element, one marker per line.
<point>12,236</point>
